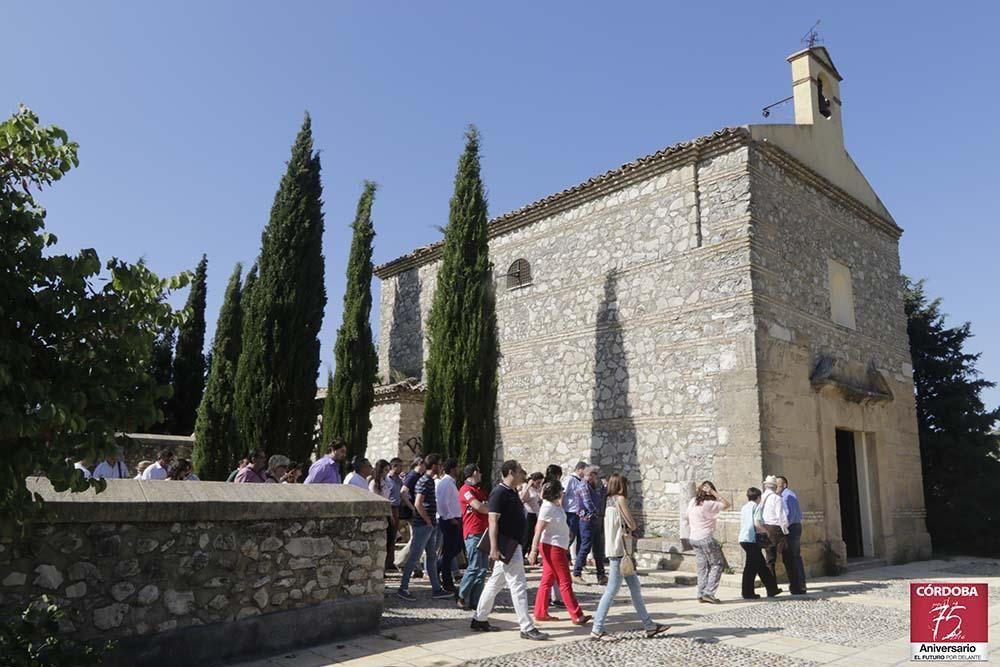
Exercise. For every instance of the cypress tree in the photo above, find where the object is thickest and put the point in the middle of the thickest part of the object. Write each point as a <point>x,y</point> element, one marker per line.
<point>462,360</point>
<point>161,368</point>
<point>958,447</point>
<point>352,388</point>
<point>216,438</point>
<point>189,361</point>
<point>276,375</point>
<point>328,408</point>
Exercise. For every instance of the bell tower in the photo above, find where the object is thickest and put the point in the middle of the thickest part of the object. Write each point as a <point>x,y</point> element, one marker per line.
<point>816,92</point>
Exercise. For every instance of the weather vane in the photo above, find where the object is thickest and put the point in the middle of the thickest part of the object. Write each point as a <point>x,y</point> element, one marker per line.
<point>812,37</point>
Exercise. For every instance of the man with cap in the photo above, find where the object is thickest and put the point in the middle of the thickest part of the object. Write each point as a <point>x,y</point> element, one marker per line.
<point>775,520</point>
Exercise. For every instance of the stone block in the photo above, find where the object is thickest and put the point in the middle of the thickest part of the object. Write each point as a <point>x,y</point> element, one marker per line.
<point>111,616</point>
<point>148,594</point>
<point>179,603</point>
<point>77,590</point>
<point>270,544</point>
<point>309,546</point>
<point>122,590</point>
<point>83,570</point>
<point>15,579</point>
<point>328,576</point>
<point>261,598</point>
<point>48,577</point>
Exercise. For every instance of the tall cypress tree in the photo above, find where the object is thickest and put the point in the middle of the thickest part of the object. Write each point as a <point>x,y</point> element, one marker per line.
<point>328,409</point>
<point>276,376</point>
<point>347,407</point>
<point>216,438</point>
<point>161,367</point>
<point>462,361</point>
<point>189,360</point>
<point>958,447</point>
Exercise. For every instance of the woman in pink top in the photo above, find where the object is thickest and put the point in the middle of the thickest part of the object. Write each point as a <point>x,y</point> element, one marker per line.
<point>703,511</point>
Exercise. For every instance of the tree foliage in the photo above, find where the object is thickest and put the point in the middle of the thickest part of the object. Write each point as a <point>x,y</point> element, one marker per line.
<point>74,346</point>
<point>460,408</point>
<point>276,376</point>
<point>34,639</point>
<point>161,367</point>
<point>958,448</point>
<point>189,359</point>
<point>217,445</point>
<point>352,390</point>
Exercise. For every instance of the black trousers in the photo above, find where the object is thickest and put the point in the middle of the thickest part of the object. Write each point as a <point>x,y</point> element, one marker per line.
<point>755,567</point>
<point>451,538</point>
<point>529,533</point>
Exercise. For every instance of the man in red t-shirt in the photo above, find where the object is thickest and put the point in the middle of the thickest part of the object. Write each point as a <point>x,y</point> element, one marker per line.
<point>475,522</point>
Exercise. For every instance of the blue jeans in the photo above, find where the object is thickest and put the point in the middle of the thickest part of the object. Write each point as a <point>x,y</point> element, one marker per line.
<point>471,586</point>
<point>614,584</point>
<point>590,540</point>
<point>573,521</point>
<point>424,541</point>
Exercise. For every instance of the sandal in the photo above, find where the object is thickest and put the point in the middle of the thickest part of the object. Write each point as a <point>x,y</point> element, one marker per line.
<point>542,619</point>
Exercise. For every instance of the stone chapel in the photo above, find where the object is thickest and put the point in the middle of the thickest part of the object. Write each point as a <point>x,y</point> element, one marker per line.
<point>725,308</point>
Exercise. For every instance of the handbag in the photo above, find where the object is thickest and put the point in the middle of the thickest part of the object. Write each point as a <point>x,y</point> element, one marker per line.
<point>628,565</point>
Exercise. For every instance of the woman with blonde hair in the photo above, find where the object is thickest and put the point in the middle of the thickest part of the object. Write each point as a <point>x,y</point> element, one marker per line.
<point>618,528</point>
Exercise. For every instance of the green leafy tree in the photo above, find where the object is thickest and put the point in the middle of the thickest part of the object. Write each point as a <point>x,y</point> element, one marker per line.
<point>189,360</point>
<point>958,448</point>
<point>34,639</point>
<point>217,445</point>
<point>352,392</point>
<point>276,376</point>
<point>460,408</point>
<point>161,367</point>
<point>74,351</point>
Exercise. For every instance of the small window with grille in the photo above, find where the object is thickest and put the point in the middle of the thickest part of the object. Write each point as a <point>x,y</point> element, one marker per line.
<point>519,274</point>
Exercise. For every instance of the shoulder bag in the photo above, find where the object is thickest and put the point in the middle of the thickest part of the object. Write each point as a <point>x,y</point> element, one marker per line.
<point>628,565</point>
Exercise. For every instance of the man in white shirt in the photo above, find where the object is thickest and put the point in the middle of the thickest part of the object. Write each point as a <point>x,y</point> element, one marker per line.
<point>161,467</point>
<point>112,467</point>
<point>361,470</point>
<point>775,520</point>
<point>449,522</point>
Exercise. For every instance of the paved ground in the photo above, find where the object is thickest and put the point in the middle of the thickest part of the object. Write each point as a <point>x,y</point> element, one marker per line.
<point>851,620</point>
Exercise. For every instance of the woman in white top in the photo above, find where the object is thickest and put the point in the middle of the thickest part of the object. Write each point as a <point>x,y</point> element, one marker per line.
<point>703,513</point>
<point>552,535</point>
<point>618,527</point>
<point>380,479</point>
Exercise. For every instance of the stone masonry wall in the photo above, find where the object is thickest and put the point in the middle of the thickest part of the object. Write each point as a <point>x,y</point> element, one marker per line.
<point>633,345</point>
<point>797,226</point>
<point>200,554</point>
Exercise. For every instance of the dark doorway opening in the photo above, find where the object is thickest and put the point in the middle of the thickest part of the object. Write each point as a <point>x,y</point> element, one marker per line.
<point>850,499</point>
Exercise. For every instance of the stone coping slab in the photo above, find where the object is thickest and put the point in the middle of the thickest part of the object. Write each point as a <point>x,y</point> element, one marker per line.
<point>133,501</point>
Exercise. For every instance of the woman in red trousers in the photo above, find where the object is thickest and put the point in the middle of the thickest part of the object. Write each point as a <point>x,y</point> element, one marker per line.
<point>552,537</point>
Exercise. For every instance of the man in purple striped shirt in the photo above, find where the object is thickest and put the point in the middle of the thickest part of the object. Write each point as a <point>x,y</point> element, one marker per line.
<point>327,469</point>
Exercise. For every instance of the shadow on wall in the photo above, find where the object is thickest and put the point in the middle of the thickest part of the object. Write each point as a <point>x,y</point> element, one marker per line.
<point>613,442</point>
<point>406,333</point>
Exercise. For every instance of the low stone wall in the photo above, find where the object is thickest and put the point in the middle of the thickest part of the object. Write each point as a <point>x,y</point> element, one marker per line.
<point>178,572</point>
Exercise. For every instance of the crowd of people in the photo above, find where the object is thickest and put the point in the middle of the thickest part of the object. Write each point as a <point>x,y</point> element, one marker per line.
<point>558,521</point>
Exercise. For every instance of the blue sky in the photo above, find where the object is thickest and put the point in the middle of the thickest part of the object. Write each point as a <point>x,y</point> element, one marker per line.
<point>185,112</point>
